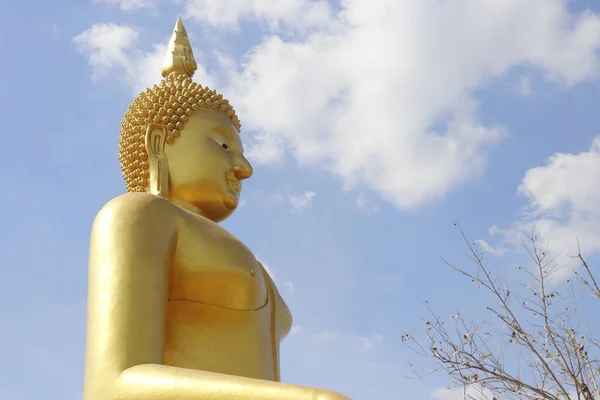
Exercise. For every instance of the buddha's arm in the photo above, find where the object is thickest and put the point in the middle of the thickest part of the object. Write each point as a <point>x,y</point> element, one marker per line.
<point>133,242</point>
<point>160,382</point>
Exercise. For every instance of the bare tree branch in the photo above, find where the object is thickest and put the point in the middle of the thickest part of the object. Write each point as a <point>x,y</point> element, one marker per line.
<point>536,349</point>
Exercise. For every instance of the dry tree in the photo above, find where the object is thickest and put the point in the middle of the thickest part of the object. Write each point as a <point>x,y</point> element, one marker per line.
<point>535,347</point>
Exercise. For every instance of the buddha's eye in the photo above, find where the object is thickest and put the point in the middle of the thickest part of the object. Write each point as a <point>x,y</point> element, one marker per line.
<point>223,145</point>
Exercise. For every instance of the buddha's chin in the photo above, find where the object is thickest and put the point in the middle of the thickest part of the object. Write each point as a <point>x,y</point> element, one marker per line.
<point>230,203</point>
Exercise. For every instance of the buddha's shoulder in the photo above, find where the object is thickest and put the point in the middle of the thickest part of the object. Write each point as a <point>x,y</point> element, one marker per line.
<point>138,206</point>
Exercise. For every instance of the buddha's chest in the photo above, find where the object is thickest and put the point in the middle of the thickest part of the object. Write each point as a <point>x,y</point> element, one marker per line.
<point>212,266</point>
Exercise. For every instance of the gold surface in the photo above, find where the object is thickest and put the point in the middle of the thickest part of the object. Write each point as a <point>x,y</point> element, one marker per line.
<point>179,308</point>
<point>179,57</point>
<point>167,106</point>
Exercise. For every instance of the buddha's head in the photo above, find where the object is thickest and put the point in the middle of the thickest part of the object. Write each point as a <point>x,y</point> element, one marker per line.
<point>181,140</point>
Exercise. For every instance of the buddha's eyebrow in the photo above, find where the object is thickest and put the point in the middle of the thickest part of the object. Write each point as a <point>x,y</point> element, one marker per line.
<point>227,132</point>
<point>223,130</point>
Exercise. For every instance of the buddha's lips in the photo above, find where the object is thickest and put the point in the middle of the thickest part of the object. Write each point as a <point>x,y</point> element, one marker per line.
<point>234,183</point>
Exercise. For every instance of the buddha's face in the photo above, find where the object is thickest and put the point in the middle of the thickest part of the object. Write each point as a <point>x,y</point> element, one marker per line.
<point>207,165</point>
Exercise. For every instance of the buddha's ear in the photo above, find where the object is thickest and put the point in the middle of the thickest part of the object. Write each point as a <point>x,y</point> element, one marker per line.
<point>156,139</point>
<point>156,136</point>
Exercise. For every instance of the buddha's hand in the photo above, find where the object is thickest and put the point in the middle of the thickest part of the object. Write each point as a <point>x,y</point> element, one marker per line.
<point>329,395</point>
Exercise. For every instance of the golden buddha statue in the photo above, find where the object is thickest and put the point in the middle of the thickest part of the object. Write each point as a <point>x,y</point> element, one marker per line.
<point>178,308</point>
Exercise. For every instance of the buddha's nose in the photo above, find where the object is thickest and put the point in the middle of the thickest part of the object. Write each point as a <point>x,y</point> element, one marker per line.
<point>242,168</point>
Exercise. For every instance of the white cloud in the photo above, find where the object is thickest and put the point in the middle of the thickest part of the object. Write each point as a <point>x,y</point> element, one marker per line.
<point>267,149</point>
<point>297,14</point>
<point>130,5</point>
<point>489,249</point>
<point>145,68</point>
<point>268,269</point>
<point>110,47</point>
<point>563,200</point>
<point>472,392</point>
<point>295,329</point>
<point>106,46</point>
<point>381,94</point>
<point>365,205</point>
<point>302,201</point>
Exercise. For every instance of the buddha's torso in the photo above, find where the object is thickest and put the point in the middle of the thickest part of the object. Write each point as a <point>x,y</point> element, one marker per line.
<point>224,313</point>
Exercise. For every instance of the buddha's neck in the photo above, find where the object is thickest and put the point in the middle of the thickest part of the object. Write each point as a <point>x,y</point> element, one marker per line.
<point>187,206</point>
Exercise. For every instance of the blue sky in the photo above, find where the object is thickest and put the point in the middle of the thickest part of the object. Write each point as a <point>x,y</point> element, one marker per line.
<point>372,127</point>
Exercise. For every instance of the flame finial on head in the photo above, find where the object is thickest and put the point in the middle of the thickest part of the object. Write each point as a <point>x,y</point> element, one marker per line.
<point>179,57</point>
